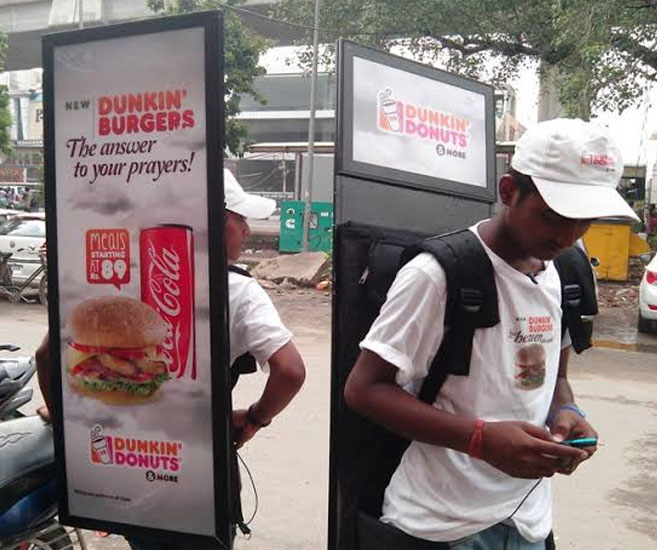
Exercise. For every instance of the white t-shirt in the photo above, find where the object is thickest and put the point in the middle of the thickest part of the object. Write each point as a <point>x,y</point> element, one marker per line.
<point>255,325</point>
<point>439,494</point>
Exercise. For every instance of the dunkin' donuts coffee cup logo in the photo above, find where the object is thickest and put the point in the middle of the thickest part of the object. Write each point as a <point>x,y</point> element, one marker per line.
<point>391,114</point>
<point>101,446</point>
<point>131,452</point>
<point>412,120</point>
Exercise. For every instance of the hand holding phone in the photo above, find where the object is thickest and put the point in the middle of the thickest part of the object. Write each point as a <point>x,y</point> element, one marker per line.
<point>581,442</point>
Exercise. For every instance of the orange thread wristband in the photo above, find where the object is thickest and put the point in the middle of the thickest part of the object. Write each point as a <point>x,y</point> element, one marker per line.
<point>476,446</point>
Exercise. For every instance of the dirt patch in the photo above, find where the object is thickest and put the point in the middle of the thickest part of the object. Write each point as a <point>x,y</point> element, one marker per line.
<point>622,295</point>
<point>303,309</point>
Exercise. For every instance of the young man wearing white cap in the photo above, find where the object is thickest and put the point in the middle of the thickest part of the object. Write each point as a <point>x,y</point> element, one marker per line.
<point>255,326</point>
<point>471,477</point>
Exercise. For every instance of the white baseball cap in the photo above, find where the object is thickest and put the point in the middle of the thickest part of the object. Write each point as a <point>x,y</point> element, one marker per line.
<point>576,168</point>
<point>245,204</point>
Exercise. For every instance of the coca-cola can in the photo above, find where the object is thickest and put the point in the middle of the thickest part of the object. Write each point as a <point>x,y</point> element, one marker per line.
<point>167,284</point>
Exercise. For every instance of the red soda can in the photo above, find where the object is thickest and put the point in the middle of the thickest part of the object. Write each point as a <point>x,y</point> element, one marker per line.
<point>167,285</point>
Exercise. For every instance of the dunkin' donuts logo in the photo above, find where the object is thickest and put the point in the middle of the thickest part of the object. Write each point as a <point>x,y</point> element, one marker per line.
<point>599,160</point>
<point>130,452</point>
<point>450,132</point>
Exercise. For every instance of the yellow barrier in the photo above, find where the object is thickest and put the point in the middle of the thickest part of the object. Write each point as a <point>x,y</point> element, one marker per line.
<point>612,242</point>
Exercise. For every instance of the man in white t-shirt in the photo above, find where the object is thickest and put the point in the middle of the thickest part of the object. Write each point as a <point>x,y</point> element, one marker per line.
<point>474,475</point>
<point>255,325</point>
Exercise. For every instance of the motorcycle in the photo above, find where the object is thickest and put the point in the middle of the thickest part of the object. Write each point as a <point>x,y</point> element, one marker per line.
<point>28,491</point>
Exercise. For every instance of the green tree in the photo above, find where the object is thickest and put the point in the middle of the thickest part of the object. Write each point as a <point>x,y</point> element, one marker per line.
<point>599,53</point>
<point>242,49</point>
<point>5,117</point>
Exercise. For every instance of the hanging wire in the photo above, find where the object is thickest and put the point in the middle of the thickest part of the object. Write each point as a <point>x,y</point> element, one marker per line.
<point>524,499</point>
<point>255,491</point>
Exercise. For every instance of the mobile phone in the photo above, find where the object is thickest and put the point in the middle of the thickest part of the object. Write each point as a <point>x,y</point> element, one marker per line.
<point>581,442</point>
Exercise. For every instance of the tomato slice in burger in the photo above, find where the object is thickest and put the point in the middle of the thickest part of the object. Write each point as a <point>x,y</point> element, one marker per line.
<point>142,377</point>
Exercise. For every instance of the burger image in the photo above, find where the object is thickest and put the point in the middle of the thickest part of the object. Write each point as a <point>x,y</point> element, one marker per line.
<point>113,356</point>
<point>530,366</point>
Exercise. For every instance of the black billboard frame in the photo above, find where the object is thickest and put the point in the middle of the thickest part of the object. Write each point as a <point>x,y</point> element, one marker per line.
<point>344,161</point>
<point>367,208</point>
<point>212,24</point>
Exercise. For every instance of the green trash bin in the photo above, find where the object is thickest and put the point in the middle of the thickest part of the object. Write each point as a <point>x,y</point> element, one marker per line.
<point>320,235</point>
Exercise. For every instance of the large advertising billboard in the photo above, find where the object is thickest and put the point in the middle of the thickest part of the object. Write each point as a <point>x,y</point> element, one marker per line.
<point>416,124</point>
<point>408,124</point>
<point>135,236</point>
<point>414,158</point>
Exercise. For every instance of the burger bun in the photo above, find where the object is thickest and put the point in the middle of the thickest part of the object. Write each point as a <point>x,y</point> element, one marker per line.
<point>116,322</point>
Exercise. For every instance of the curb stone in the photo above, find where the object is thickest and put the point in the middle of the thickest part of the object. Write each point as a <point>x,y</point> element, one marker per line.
<point>624,346</point>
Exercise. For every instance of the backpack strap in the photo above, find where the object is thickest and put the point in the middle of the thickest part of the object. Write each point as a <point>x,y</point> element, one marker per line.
<point>578,296</point>
<point>471,302</point>
<point>239,271</point>
<point>245,363</point>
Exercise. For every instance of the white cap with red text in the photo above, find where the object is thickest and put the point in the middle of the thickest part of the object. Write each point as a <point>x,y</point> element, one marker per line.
<point>245,204</point>
<point>576,167</point>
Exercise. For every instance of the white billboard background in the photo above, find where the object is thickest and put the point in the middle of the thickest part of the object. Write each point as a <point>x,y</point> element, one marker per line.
<point>416,124</point>
<point>172,60</point>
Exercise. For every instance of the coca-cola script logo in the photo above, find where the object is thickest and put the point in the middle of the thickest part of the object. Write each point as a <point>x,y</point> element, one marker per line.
<point>164,273</point>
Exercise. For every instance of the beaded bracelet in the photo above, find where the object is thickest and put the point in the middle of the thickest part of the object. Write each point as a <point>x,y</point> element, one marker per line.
<point>253,420</point>
<point>568,407</point>
<point>476,446</point>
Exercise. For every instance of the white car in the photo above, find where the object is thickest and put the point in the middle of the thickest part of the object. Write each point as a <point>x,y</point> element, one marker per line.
<point>648,298</point>
<point>23,235</point>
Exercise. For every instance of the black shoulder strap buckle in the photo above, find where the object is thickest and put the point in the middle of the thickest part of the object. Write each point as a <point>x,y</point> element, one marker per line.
<point>471,300</point>
<point>572,295</point>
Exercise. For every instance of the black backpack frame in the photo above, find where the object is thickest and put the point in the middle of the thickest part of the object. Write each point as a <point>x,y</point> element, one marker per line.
<point>369,258</point>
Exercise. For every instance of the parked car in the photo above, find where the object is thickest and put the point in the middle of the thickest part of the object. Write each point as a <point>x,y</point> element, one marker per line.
<point>648,298</point>
<point>23,235</point>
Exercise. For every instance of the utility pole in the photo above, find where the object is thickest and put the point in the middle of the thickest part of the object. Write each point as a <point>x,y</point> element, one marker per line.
<point>311,135</point>
<point>80,12</point>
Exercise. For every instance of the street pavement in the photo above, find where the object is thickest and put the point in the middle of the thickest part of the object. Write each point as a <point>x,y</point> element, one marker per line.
<point>610,503</point>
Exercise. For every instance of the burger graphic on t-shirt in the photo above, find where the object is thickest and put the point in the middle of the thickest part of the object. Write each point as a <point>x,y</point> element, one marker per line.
<point>113,356</point>
<point>530,366</point>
